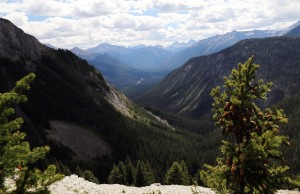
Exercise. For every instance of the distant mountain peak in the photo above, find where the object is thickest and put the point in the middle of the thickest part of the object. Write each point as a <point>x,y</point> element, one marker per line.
<point>294,30</point>
<point>137,46</point>
<point>178,46</point>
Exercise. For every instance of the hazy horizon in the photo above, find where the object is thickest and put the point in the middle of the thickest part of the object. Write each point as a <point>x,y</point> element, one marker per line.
<point>87,23</point>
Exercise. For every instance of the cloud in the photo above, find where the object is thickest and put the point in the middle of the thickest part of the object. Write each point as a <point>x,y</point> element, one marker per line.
<point>18,18</point>
<point>178,5</point>
<point>47,8</point>
<point>124,21</point>
<point>86,23</point>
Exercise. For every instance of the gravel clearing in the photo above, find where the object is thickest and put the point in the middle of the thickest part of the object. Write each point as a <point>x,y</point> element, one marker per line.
<point>74,184</point>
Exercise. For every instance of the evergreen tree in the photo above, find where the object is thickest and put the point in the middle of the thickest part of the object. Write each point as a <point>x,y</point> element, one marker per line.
<point>140,175</point>
<point>251,155</point>
<point>16,157</point>
<point>122,170</point>
<point>149,174</point>
<point>175,175</point>
<point>129,172</point>
<point>186,176</point>
<point>89,175</point>
<point>78,171</point>
<point>115,177</point>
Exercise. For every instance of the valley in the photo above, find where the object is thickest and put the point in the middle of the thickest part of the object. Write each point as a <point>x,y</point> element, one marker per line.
<point>96,107</point>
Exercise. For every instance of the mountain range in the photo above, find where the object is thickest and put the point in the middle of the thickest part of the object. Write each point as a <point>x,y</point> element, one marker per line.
<point>86,122</point>
<point>186,90</point>
<point>132,70</point>
<point>145,58</point>
<point>152,63</point>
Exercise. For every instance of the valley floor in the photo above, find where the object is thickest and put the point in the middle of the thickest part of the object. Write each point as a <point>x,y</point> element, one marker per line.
<point>74,184</point>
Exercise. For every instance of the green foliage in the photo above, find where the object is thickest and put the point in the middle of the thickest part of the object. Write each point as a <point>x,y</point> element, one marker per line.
<point>115,177</point>
<point>128,174</point>
<point>250,161</point>
<point>185,171</point>
<point>89,175</point>
<point>144,175</point>
<point>16,156</point>
<point>122,170</point>
<point>129,171</point>
<point>78,171</point>
<point>177,174</point>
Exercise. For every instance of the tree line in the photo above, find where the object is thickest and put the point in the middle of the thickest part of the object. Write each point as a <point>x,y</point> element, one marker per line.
<point>141,174</point>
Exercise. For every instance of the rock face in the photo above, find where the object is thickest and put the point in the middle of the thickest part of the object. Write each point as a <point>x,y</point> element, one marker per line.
<point>186,89</point>
<point>15,43</point>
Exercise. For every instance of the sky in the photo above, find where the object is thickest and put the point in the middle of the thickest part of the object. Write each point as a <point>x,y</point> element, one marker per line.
<point>87,23</point>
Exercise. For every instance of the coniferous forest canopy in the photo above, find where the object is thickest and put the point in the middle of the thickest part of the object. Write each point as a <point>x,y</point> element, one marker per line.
<point>145,144</point>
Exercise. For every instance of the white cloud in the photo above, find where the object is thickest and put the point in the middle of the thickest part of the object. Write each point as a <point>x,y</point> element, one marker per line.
<point>18,18</point>
<point>47,8</point>
<point>86,23</point>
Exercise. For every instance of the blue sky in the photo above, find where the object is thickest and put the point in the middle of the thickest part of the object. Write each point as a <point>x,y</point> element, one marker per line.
<point>87,23</point>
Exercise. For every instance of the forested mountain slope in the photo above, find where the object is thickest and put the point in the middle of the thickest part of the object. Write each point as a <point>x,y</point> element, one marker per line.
<point>72,109</point>
<point>186,90</point>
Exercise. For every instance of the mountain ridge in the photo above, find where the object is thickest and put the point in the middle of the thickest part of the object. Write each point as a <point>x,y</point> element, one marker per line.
<point>186,89</point>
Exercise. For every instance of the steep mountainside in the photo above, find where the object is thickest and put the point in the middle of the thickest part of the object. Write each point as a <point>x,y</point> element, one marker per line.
<point>294,32</point>
<point>84,120</point>
<point>186,90</point>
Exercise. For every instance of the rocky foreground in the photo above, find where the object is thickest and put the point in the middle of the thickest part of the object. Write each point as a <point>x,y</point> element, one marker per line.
<point>74,184</point>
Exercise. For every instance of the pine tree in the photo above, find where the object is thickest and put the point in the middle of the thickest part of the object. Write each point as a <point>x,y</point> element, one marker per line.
<point>122,170</point>
<point>16,157</point>
<point>140,175</point>
<point>79,171</point>
<point>129,172</point>
<point>186,176</point>
<point>115,177</point>
<point>150,178</point>
<point>251,155</point>
<point>175,175</point>
<point>89,176</point>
